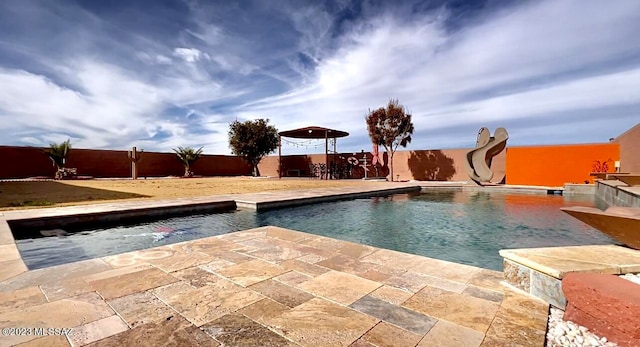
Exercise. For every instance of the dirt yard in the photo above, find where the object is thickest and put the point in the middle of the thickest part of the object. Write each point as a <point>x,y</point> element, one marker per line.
<point>19,195</point>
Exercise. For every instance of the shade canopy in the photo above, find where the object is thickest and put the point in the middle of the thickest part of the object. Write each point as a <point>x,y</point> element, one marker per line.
<point>313,133</point>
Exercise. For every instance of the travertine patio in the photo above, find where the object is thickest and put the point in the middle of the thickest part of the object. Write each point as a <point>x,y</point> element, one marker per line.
<point>269,287</point>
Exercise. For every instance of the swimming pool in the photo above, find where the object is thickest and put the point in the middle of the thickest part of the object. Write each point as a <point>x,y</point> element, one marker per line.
<point>460,226</point>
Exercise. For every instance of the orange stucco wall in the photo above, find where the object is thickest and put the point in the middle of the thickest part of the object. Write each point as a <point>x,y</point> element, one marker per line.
<point>559,164</point>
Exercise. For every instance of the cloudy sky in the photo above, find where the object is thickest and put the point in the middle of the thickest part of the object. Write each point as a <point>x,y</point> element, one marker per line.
<point>161,74</point>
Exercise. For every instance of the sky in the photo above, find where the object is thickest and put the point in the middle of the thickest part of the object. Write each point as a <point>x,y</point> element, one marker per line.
<point>160,74</point>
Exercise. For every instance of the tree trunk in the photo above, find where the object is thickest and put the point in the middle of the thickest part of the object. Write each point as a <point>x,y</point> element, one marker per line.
<point>186,171</point>
<point>58,174</point>
<point>256,171</point>
<point>391,165</point>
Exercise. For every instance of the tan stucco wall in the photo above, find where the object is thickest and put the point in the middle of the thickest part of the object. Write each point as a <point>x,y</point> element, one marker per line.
<point>440,165</point>
<point>630,150</point>
<point>423,165</point>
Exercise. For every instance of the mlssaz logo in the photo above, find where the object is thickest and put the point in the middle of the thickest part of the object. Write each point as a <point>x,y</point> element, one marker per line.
<point>52,331</point>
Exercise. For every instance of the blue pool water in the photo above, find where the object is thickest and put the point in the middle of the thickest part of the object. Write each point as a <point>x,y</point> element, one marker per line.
<point>464,227</point>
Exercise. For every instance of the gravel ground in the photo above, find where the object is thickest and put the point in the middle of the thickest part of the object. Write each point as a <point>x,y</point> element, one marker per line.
<point>561,333</point>
<point>569,334</point>
<point>25,194</point>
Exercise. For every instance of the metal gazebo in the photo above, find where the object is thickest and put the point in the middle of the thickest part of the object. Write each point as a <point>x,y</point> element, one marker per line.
<point>312,132</point>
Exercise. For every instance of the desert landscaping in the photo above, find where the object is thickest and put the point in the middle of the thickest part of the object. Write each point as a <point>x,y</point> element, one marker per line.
<point>38,194</point>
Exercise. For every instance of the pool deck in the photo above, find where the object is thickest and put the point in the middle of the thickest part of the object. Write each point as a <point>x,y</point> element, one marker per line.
<point>267,286</point>
<point>270,287</point>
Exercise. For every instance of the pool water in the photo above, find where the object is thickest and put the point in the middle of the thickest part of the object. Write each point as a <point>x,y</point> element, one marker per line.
<point>463,227</point>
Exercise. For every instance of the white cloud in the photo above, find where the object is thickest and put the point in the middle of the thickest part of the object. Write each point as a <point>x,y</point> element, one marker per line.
<point>114,109</point>
<point>153,58</point>
<point>190,55</point>
<point>512,66</point>
<point>31,140</point>
<point>530,66</point>
<point>233,54</point>
<point>113,106</point>
<point>161,59</point>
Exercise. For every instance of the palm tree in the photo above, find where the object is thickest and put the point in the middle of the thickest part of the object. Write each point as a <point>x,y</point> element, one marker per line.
<point>58,153</point>
<point>187,156</point>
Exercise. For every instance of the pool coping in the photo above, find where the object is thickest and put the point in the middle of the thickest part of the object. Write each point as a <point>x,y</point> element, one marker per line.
<point>12,264</point>
<point>266,202</point>
<point>520,189</point>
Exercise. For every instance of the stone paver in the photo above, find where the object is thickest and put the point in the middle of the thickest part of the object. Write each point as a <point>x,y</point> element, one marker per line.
<point>48,341</point>
<point>398,315</point>
<point>390,294</point>
<point>54,274</point>
<point>9,252</point>
<point>340,287</point>
<point>197,276</point>
<point>273,287</point>
<point>117,286</point>
<point>11,268</point>
<point>282,293</point>
<point>202,305</point>
<point>487,294</point>
<point>139,308</point>
<point>20,299</point>
<point>238,330</point>
<point>446,334</point>
<point>175,331</point>
<point>414,282</point>
<point>65,313</point>
<point>304,267</point>
<point>293,278</point>
<point>464,310</point>
<point>65,288</point>
<point>387,335</point>
<point>264,311</point>
<point>97,330</point>
<point>179,261</point>
<point>251,272</point>
<point>6,236</point>
<point>487,279</point>
<point>361,343</point>
<point>318,322</point>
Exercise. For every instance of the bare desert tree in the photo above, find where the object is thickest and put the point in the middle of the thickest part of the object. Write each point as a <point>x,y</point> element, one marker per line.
<point>390,127</point>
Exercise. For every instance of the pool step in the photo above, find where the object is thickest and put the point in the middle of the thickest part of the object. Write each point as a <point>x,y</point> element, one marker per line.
<point>539,271</point>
